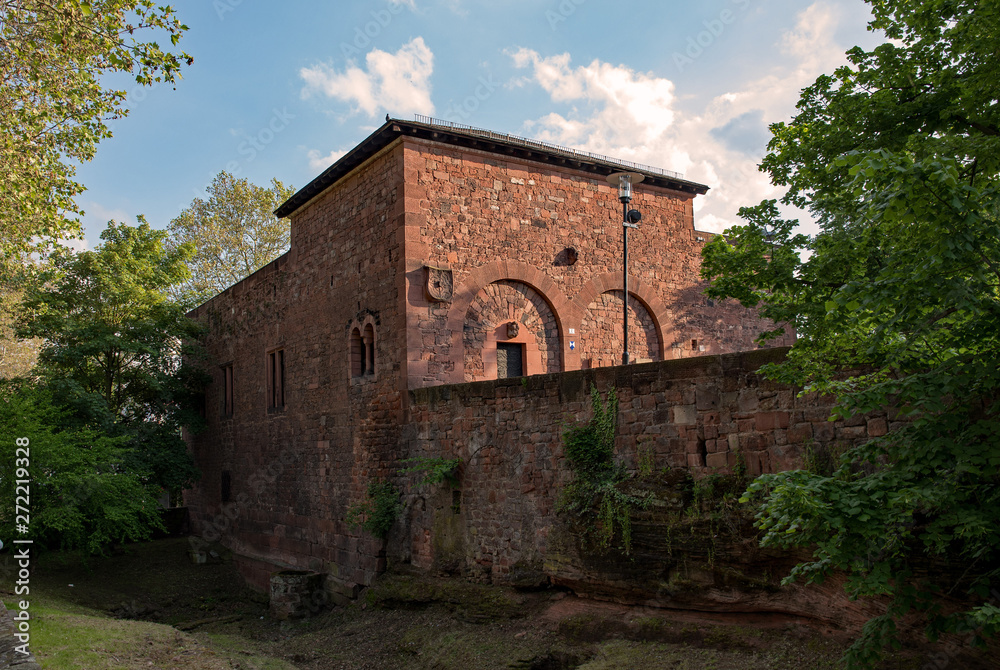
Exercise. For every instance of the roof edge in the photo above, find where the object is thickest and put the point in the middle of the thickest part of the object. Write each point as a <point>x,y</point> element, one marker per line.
<point>474,138</point>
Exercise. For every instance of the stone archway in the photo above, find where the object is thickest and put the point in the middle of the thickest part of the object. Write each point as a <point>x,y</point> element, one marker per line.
<point>601,331</point>
<point>509,313</point>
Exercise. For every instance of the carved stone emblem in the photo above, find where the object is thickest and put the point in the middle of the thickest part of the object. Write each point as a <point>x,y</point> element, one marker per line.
<point>439,284</point>
<point>513,328</point>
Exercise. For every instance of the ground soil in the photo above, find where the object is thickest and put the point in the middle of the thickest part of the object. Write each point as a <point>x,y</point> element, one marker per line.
<point>154,608</point>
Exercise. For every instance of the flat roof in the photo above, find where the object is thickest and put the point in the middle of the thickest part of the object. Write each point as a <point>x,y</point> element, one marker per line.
<point>483,140</point>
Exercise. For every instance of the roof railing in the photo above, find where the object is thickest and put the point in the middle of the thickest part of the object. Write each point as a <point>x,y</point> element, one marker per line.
<point>522,141</point>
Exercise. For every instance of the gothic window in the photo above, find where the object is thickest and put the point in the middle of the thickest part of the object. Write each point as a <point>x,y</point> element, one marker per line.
<point>362,351</point>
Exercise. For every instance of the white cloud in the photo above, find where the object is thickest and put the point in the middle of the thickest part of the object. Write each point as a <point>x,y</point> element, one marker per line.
<point>397,83</point>
<point>317,161</point>
<point>75,245</point>
<point>637,116</point>
<point>457,7</point>
<point>98,213</point>
<point>95,220</point>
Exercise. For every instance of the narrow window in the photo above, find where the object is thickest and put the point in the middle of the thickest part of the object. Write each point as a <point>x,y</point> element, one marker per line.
<point>227,390</point>
<point>276,379</point>
<point>358,354</point>
<point>226,487</point>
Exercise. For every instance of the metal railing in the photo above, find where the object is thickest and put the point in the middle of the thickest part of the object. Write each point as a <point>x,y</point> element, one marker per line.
<point>539,144</point>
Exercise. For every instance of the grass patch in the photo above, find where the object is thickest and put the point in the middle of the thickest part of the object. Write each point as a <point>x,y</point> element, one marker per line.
<point>67,636</point>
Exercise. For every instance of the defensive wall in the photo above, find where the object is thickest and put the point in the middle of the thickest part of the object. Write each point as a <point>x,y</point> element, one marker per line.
<point>500,524</point>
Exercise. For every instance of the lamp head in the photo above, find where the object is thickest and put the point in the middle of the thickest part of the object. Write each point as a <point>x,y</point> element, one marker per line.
<point>624,182</point>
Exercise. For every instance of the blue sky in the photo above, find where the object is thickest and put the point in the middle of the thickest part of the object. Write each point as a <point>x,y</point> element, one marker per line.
<point>280,90</point>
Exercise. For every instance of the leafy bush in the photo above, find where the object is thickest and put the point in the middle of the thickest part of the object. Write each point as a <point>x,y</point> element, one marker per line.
<point>602,510</point>
<point>437,470</point>
<point>590,447</point>
<point>378,511</point>
<point>83,495</point>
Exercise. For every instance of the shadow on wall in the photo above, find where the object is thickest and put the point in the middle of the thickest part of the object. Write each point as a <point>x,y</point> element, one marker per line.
<point>698,326</point>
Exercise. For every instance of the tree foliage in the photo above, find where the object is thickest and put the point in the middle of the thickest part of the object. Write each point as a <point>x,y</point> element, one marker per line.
<point>82,494</point>
<point>117,349</point>
<point>56,102</point>
<point>234,233</point>
<point>896,302</point>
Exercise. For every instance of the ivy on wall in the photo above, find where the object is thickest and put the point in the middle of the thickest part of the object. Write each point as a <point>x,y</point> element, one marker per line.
<point>595,501</point>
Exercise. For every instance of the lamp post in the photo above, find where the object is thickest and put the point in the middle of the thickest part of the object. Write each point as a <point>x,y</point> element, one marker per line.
<point>630,219</point>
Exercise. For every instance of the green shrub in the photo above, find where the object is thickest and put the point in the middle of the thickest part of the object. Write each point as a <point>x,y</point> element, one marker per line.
<point>437,470</point>
<point>378,511</point>
<point>594,499</point>
<point>83,493</point>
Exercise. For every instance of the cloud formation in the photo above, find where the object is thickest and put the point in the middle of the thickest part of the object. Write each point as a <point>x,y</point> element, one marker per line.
<point>397,83</point>
<point>318,162</point>
<point>637,116</point>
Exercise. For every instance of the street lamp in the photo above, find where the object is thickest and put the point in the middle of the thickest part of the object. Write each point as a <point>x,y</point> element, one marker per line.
<point>630,219</point>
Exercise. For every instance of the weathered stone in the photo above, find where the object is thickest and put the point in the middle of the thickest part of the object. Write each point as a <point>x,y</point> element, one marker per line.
<point>296,594</point>
<point>11,647</point>
<point>877,427</point>
<point>772,420</point>
<point>800,433</point>
<point>717,460</point>
<point>707,398</point>
<point>685,414</point>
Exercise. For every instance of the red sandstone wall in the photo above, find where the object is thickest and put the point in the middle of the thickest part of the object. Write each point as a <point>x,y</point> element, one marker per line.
<point>358,255</point>
<point>294,472</point>
<point>488,218</point>
<point>692,413</point>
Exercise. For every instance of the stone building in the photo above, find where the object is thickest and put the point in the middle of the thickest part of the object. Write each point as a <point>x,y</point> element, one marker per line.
<point>430,254</point>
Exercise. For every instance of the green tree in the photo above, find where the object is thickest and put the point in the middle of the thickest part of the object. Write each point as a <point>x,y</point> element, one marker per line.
<point>55,102</point>
<point>234,232</point>
<point>896,304</point>
<point>82,494</point>
<point>118,349</point>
